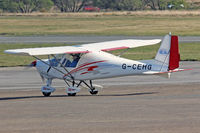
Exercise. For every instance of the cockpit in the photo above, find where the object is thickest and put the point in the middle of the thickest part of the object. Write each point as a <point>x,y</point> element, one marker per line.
<point>66,60</point>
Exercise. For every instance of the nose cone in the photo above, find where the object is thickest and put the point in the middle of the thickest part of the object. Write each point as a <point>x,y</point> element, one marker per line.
<point>34,63</point>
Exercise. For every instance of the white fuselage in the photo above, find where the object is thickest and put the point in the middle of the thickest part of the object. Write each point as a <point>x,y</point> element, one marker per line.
<point>97,65</point>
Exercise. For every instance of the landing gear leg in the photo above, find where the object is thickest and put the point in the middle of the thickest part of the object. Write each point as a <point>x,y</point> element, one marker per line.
<point>91,89</point>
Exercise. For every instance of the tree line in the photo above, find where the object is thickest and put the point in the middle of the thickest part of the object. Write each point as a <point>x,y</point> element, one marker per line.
<point>28,6</point>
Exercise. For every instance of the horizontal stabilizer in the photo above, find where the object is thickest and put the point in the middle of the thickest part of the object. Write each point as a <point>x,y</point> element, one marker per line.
<point>168,74</point>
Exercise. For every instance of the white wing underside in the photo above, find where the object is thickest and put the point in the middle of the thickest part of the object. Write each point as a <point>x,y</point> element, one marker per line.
<point>85,48</point>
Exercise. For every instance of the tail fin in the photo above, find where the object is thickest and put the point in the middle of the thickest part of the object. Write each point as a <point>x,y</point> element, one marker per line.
<point>168,53</point>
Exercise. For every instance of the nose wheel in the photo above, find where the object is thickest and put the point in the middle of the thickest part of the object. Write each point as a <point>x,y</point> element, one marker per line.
<point>71,90</point>
<point>47,90</point>
<point>46,94</point>
<point>71,94</point>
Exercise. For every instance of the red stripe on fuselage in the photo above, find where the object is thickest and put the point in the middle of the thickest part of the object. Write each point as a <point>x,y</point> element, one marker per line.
<point>81,67</point>
<point>83,73</point>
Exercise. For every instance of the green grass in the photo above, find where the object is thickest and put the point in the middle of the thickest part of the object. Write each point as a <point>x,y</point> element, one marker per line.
<point>113,24</point>
<point>188,51</point>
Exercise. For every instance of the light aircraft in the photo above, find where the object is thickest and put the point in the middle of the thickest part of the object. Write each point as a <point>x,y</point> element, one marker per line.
<point>78,65</point>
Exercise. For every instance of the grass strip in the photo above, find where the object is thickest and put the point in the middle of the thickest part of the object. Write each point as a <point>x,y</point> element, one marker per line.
<point>101,24</point>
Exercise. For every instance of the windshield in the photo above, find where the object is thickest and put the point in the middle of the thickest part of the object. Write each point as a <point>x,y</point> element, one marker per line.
<point>67,60</point>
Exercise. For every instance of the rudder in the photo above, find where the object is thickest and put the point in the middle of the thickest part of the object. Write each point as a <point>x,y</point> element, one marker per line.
<point>174,53</point>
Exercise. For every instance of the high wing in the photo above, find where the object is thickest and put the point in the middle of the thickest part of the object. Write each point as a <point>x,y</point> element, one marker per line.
<point>85,48</point>
<point>120,44</point>
<point>47,50</point>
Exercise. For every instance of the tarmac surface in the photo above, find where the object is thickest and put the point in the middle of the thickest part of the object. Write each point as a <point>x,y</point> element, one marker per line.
<point>139,104</point>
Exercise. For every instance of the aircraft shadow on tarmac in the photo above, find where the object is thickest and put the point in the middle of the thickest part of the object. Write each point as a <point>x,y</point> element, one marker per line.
<point>104,95</point>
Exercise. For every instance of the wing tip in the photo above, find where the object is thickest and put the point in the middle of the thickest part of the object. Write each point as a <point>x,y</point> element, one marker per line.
<point>15,52</point>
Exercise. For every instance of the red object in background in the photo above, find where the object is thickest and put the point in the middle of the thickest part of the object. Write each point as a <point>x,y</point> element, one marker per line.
<point>91,8</point>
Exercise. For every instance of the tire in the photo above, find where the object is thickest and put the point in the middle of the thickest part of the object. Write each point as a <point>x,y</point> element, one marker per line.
<point>93,92</point>
<point>46,94</point>
<point>71,94</point>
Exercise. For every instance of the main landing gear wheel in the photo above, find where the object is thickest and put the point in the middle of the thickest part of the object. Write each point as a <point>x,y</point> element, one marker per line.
<point>71,94</point>
<point>93,92</point>
<point>46,94</point>
<point>71,91</point>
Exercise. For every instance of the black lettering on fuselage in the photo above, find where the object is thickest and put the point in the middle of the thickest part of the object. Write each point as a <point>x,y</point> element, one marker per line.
<point>149,67</point>
<point>134,66</point>
<point>142,66</point>
<point>123,66</point>
<point>138,66</point>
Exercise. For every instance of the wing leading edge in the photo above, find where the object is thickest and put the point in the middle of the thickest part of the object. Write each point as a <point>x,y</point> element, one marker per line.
<point>47,50</point>
<point>120,44</point>
<point>85,48</point>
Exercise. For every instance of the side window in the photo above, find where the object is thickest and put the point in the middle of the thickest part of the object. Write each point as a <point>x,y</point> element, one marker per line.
<point>54,62</point>
<point>67,64</point>
<point>75,59</point>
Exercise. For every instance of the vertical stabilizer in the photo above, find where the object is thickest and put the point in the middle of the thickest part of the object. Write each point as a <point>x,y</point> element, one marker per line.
<point>168,53</point>
<point>162,55</point>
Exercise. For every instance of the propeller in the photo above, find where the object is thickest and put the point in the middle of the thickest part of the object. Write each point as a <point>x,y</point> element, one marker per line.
<point>32,64</point>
